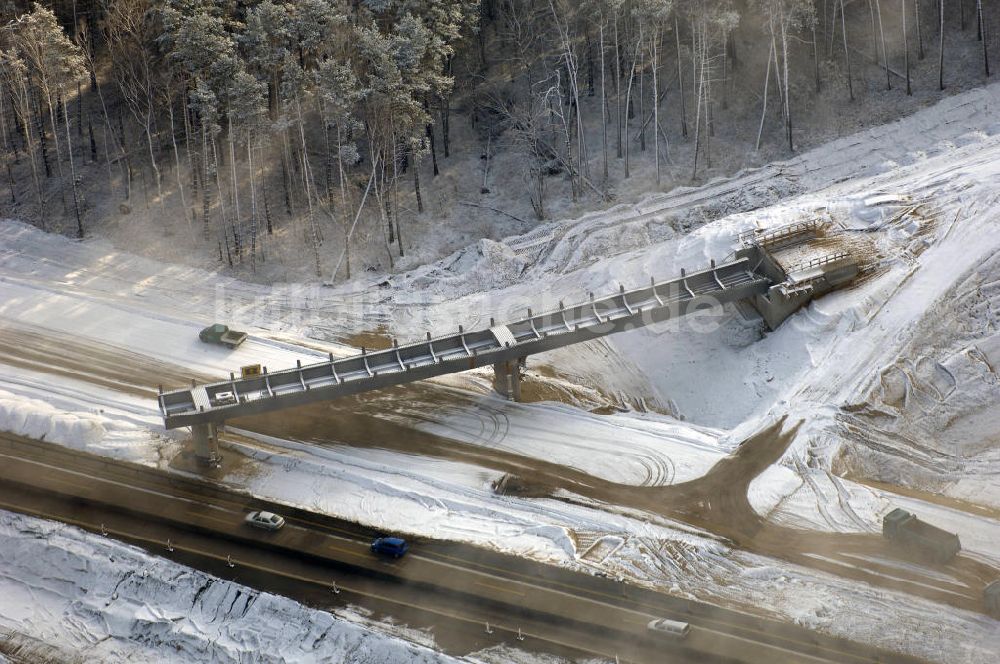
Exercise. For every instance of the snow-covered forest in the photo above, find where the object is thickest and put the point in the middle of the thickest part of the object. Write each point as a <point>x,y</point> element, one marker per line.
<point>351,135</point>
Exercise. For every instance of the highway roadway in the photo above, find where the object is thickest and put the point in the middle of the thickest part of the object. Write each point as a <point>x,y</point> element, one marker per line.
<point>451,589</point>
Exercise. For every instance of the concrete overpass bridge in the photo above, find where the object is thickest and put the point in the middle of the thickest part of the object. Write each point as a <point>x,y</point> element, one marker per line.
<point>751,276</point>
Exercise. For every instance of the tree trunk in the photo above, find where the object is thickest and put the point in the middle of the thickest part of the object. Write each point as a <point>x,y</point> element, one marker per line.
<point>79,110</point>
<point>10,180</point>
<point>72,173</point>
<point>815,58</point>
<point>343,202</point>
<point>253,206</point>
<point>357,215</point>
<point>286,173</point>
<point>206,191</point>
<point>628,98</point>
<point>327,156</point>
<point>93,141</point>
<point>177,161</point>
<point>40,128</point>
<point>604,105</point>
<point>906,48</point>
<point>831,32</point>
<point>982,36</point>
<point>590,66</point>
<point>395,197</point>
<point>191,154</point>
<point>446,114</point>
<point>680,77</point>
<point>642,105</point>
<point>21,98</point>
<point>777,76</point>
<point>55,141</point>
<point>126,160</point>
<point>267,204</point>
<point>572,72</point>
<point>96,87</point>
<point>763,112</point>
<point>481,39</point>
<point>847,53</point>
<point>223,217</point>
<point>725,69</point>
<point>941,47</point>
<point>237,217</point>
<point>416,183</point>
<point>307,179</point>
<point>788,104</point>
<point>885,53</point>
<point>383,206</point>
<point>920,33</point>
<point>156,169</point>
<point>656,107</point>
<point>698,83</point>
<point>568,159</point>
<point>430,138</point>
<point>874,41</point>
<point>618,87</point>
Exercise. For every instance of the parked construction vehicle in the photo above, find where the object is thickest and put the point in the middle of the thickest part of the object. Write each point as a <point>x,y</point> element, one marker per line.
<point>221,334</point>
<point>991,599</point>
<point>905,529</point>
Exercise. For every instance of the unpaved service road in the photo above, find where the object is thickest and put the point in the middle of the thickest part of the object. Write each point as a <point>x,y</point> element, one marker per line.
<point>453,589</point>
<point>47,351</point>
<point>716,502</point>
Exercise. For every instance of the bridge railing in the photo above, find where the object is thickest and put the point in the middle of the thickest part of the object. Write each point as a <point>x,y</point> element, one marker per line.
<point>817,262</point>
<point>770,238</point>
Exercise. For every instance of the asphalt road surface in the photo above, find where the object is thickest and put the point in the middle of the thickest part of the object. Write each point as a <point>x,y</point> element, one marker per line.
<point>452,589</point>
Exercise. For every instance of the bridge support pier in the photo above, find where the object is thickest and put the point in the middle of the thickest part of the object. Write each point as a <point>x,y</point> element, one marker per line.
<point>206,442</point>
<point>507,378</point>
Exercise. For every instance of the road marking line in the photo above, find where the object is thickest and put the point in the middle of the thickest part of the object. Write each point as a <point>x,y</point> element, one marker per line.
<point>500,588</point>
<point>578,594</point>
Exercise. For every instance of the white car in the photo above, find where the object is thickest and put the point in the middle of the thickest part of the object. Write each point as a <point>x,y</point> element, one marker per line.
<point>224,398</point>
<point>671,628</point>
<point>265,520</point>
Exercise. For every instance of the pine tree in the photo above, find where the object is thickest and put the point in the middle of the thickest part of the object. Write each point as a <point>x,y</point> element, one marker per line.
<point>55,64</point>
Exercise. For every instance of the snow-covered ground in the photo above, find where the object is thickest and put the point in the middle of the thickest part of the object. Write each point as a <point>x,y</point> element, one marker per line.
<point>894,379</point>
<point>70,596</point>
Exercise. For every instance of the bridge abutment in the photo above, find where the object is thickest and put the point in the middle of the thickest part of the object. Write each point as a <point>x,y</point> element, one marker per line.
<point>507,378</point>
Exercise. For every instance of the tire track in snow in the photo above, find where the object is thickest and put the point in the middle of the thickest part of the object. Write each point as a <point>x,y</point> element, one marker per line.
<point>844,498</point>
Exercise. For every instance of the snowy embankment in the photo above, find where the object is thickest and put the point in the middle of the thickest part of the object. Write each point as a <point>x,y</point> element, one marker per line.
<point>37,419</point>
<point>895,358</point>
<point>81,415</point>
<point>95,599</point>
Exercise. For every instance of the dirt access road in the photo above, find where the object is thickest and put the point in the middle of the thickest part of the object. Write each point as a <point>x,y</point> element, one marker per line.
<point>716,502</point>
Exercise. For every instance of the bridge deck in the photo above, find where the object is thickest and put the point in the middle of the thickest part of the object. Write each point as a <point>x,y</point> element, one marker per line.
<point>466,350</point>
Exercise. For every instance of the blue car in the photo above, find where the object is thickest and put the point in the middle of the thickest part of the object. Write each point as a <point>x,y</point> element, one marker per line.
<point>390,546</point>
